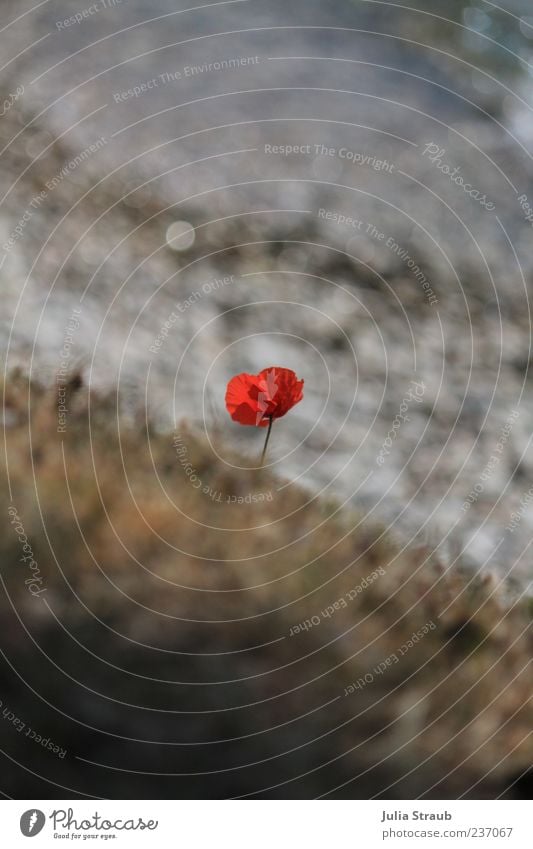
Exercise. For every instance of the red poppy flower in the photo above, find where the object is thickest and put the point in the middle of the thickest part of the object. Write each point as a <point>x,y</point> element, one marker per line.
<point>257,399</point>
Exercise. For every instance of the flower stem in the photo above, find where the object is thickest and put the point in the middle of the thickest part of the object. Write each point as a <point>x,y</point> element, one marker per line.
<point>269,431</point>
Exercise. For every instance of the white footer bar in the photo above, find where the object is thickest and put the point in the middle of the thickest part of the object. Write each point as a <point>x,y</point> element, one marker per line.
<point>266,824</point>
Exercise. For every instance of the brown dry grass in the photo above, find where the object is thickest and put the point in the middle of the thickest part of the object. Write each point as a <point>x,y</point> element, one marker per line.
<point>177,675</point>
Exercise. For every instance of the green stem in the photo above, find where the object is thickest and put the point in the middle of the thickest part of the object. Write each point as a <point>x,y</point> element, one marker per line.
<point>269,431</point>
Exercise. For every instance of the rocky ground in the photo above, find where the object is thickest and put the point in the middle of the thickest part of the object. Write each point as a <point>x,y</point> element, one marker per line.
<point>338,302</point>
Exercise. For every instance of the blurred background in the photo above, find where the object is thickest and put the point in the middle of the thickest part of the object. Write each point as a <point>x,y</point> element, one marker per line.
<point>187,156</point>
<point>340,187</point>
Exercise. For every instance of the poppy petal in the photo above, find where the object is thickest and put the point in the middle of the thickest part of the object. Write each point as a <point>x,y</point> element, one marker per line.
<point>253,399</point>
